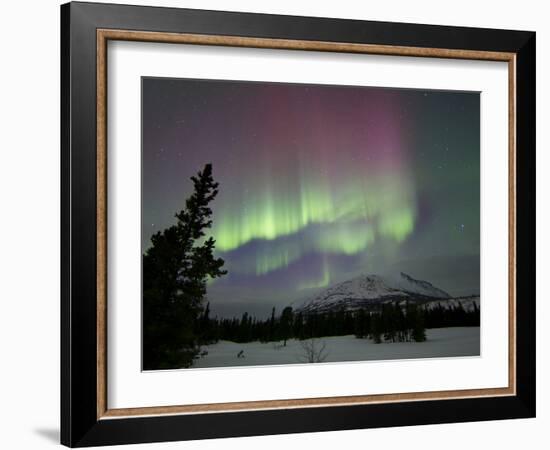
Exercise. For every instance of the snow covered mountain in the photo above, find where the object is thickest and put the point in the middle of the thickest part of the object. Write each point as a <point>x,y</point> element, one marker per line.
<point>368,291</point>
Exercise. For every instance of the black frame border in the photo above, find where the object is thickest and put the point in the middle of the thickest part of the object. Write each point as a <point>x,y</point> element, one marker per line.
<point>79,424</point>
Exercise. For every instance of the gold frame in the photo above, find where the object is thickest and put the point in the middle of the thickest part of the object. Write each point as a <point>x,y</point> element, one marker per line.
<point>103,36</point>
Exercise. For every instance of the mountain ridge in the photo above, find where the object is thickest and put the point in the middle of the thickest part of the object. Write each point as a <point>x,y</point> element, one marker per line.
<point>370,291</point>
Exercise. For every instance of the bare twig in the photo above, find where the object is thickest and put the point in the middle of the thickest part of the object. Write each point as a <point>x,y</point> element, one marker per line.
<point>313,351</point>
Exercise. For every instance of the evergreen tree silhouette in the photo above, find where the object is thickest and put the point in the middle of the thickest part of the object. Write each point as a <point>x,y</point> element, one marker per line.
<point>175,270</point>
<point>418,325</point>
<point>206,325</point>
<point>376,328</point>
<point>286,324</point>
<point>271,336</point>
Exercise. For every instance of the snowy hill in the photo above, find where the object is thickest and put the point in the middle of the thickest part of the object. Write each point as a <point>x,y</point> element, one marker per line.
<point>367,291</point>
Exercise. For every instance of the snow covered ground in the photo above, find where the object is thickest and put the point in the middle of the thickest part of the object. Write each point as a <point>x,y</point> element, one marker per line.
<point>442,342</point>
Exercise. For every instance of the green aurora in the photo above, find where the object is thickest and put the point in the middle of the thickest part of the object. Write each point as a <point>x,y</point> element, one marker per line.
<point>318,183</point>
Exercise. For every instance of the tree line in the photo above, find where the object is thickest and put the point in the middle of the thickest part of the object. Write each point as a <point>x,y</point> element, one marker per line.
<point>391,322</point>
<point>439,316</point>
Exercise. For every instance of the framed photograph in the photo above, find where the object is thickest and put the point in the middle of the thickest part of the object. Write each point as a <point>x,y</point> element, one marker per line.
<point>276,224</point>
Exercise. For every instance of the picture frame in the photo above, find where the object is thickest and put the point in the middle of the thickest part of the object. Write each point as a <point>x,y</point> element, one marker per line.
<point>86,418</point>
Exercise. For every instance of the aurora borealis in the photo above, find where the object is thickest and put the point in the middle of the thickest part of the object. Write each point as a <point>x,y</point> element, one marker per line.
<point>317,183</point>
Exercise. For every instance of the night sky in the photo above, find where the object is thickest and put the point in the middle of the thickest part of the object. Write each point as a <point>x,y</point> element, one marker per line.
<point>318,184</point>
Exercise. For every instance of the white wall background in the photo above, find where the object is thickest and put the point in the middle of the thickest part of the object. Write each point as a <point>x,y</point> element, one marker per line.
<point>29,224</point>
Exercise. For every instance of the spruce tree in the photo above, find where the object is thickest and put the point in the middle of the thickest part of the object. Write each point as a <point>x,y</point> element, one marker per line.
<point>175,270</point>
<point>359,326</point>
<point>419,329</point>
<point>286,324</point>
<point>376,328</point>
<point>272,325</point>
<point>205,325</point>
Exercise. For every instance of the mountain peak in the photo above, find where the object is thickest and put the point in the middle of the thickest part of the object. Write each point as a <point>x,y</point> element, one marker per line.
<point>371,290</point>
